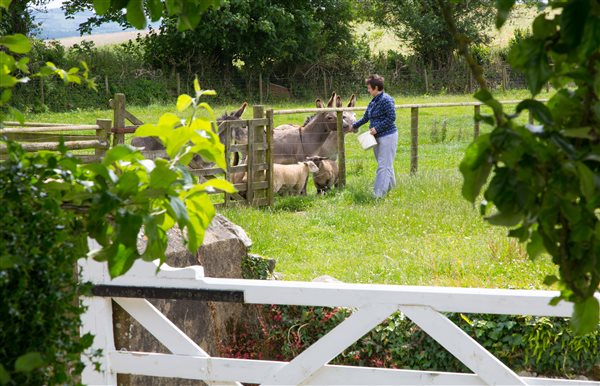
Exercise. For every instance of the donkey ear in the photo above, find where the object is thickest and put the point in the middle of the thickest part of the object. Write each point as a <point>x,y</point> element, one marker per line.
<point>338,101</point>
<point>331,100</point>
<point>319,103</point>
<point>352,101</point>
<point>239,113</point>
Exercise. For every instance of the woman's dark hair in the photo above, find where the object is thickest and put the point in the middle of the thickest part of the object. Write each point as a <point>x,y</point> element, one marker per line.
<point>375,81</point>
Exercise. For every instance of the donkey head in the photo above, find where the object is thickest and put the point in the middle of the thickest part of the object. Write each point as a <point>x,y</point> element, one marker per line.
<point>348,117</point>
<point>322,121</point>
<point>240,134</point>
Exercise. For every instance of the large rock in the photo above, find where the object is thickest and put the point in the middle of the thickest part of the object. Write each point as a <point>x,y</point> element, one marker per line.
<point>225,245</point>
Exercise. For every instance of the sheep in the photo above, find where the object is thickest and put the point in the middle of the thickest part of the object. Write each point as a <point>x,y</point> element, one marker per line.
<point>292,177</point>
<point>327,175</point>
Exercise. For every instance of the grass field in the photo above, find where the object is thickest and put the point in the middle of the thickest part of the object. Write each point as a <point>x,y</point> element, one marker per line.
<point>423,233</point>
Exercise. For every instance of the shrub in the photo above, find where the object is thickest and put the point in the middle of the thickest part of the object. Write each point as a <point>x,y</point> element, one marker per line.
<point>39,247</point>
<point>539,344</point>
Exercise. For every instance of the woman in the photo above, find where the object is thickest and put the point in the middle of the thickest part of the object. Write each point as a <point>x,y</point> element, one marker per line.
<point>381,112</point>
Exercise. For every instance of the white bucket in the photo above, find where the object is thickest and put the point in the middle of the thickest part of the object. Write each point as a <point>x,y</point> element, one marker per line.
<point>367,140</point>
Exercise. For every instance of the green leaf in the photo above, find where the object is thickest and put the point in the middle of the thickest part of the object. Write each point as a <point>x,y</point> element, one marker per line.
<point>135,14</point>
<point>162,177</point>
<point>530,57</point>
<point>219,184</point>
<point>101,6</point>
<point>183,102</point>
<point>118,153</point>
<point>572,22</point>
<point>28,362</point>
<point>542,27</point>
<point>535,247</point>
<point>19,116</point>
<point>4,376</point>
<point>180,212</point>
<point>504,7</point>
<point>128,183</point>
<point>22,65</point>
<point>475,167</point>
<point>7,81</point>
<point>578,132</point>
<point>585,316</point>
<point>120,259</point>
<point>5,4</point>
<point>587,180</point>
<point>487,98</point>
<point>505,219</point>
<point>555,300</point>
<point>17,43</point>
<point>539,110</point>
<point>196,86</point>
<point>550,280</point>
<point>591,37</point>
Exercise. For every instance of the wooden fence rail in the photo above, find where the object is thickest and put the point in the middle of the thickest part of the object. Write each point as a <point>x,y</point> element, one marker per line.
<point>37,136</point>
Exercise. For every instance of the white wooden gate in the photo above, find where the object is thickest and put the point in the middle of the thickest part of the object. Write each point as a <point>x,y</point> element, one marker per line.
<point>372,304</point>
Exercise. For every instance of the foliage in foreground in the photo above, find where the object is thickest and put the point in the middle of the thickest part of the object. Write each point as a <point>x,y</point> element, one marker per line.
<point>545,178</point>
<point>39,247</point>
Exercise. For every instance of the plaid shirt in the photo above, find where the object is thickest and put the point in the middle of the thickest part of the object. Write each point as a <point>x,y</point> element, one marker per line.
<point>382,114</point>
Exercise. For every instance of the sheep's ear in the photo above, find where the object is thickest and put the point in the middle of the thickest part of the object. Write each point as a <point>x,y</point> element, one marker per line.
<point>338,101</point>
<point>319,103</point>
<point>312,167</point>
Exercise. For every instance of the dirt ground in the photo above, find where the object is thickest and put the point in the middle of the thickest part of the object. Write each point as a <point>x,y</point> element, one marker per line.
<point>102,39</point>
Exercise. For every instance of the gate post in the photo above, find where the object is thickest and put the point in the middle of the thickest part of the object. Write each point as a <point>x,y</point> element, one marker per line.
<point>119,118</point>
<point>97,320</point>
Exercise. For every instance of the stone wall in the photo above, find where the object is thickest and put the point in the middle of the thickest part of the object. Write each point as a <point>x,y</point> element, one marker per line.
<point>225,245</point>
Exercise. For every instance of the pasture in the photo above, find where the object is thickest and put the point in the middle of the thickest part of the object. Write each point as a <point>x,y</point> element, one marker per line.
<point>423,233</point>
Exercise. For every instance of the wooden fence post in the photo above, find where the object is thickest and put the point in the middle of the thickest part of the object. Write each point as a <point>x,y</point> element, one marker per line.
<point>476,121</point>
<point>269,156</point>
<point>178,84</point>
<point>227,129</point>
<point>119,118</point>
<point>341,182</point>
<point>414,139</point>
<point>103,134</point>
<point>42,91</point>
<point>426,80</point>
<point>106,85</point>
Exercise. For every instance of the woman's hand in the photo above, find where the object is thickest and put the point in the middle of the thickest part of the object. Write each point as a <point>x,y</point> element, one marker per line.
<point>373,131</point>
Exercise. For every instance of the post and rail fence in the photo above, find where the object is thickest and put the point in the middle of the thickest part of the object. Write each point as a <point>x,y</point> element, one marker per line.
<point>257,187</point>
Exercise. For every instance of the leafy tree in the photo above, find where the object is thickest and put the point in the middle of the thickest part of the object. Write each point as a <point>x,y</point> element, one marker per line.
<point>420,24</point>
<point>258,36</point>
<point>545,178</point>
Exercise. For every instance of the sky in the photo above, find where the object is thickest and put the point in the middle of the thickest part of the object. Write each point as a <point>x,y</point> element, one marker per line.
<point>54,3</point>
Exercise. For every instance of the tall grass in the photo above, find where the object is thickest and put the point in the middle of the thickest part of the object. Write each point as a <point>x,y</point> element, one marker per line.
<point>422,233</point>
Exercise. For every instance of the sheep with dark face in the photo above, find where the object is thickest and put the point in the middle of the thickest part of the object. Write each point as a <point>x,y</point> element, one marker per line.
<point>293,177</point>
<point>327,175</point>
